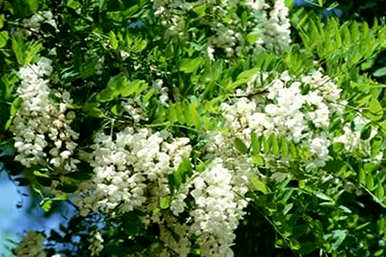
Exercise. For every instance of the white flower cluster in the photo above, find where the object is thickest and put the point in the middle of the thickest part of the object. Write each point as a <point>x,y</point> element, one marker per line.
<point>163,91</point>
<point>218,210</point>
<point>130,170</point>
<point>290,107</point>
<point>218,195</point>
<point>31,245</point>
<point>35,21</point>
<point>96,244</point>
<point>228,31</point>
<point>276,28</point>
<point>351,138</point>
<point>132,108</point>
<point>41,129</point>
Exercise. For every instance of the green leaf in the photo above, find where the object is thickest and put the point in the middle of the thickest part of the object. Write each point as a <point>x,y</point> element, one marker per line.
<point>106,95</point>
<point>338,237</point>
<point>93,110</point>
<point>25,52</point>
<point>240,146</point>
<point>133,87</point>
<point>380,193</point>
<point>193,113</point>
<point>245,77</point>
<point>46,204</point>
<point>183,171</point>
<point>252,37</point>
<point>87,69</point>
<point>200,9</point>
<point>13,110</point>
<point>119,85</point>
<point>370,182</point>
<point>275,145</point>
<point>172,113</point>
<point>40,174</point>
<point>255,143</point>
<point>381,72</point>
<point>190,65</point>
<point>284,147</point>
<point>259,185</point>
<point>32,4</point>
<point>287,208</point>
<point>148,95</point>
<point>79,175</point>
<point>113,40</point>
<point>75,5</point>
<point>15,106</point>
<point>2,19</point>
<point>293,150</point>
<point>362,176</point>
<point>374,111</point>
<point>164,202</point>
<point>3,38</point>
<point>365,132</point>
<point>266,145</point>
<point>17,47</point>
<point>323,196</point>
<point>258,160</point>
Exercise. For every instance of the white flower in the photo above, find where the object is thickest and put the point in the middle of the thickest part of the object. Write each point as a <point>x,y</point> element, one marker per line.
<point>129,170</point>
<point>210,51</point>
<point>319,147</point>
<point>96,243</point>
<point>219,209</point>
<point>41,127</point>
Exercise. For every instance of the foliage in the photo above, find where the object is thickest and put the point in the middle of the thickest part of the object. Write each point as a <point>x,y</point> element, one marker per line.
<point>168,124</point>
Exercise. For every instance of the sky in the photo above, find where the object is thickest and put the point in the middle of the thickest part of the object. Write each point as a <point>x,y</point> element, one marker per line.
<point>15,221</point>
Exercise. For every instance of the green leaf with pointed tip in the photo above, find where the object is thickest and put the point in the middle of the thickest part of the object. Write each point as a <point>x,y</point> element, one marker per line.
<point>284,147</point>
<point>200,9</point>
<point>191,65</point>
<point>256,143</point>
<point>2,19</point>
<point>380,193</point>
<point>275,144</point>
<point>266,145</point>
<point>240,146</point>
<point>381,72</point>
<point>113,40</point>
<point>375,111</point>
<point>193,113</point>
<point>46,204</point>
<point>245,77</point>
<point>183,171</point>
<point>259,185</point>
<point>3,38</point>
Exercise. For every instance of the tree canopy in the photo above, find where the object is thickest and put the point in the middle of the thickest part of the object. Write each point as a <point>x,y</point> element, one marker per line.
<point>196,128</point>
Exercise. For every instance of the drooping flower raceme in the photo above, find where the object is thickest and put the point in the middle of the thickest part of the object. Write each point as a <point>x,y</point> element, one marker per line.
<point>292,108</point>
<point>130,170</point>
<point>96,243</point>
<point>41,128</point>
<point>229,33</point>
<point>218,210</point>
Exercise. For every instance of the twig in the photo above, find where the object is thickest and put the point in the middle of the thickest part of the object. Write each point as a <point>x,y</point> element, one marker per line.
<point>250,94</point>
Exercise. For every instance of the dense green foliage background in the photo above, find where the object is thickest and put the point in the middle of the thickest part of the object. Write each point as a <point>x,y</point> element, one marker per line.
<point>294,212</point>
